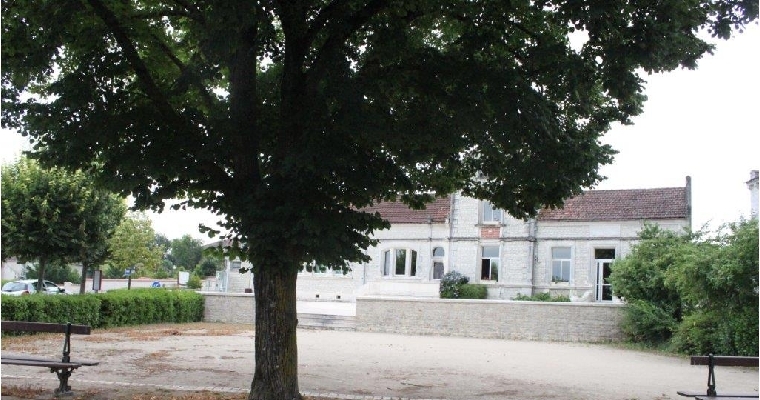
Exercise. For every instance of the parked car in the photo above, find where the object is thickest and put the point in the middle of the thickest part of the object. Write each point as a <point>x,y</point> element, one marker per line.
<point>18,288</point>
<point>50,287</point>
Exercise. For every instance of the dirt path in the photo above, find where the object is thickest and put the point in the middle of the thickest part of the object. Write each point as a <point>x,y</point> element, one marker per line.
<point>358,365</point>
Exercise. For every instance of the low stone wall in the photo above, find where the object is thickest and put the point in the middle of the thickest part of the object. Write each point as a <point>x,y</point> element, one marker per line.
<point>519,320</point>
<point>234,308</point>
<point>501,319</point>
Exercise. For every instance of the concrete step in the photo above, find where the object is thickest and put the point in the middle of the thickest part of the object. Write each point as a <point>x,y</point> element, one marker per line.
<point>324,321</point>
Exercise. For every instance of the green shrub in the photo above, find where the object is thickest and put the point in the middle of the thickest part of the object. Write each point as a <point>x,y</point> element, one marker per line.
<point>648,323</point>
<point>451,285</point>
<point>194,282</point>
<point>473,291</point>
<point>110,309</point>
<point>544,296</point>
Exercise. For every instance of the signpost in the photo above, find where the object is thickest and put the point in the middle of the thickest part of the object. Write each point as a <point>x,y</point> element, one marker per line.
<point>128,273</point>
<point>97,280</point>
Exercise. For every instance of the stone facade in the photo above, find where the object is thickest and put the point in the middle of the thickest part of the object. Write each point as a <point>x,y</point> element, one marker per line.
<point>509,255</point>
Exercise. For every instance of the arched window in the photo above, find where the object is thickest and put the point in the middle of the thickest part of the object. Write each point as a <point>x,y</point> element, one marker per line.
<point>438,266</point>
<point>399,262</point>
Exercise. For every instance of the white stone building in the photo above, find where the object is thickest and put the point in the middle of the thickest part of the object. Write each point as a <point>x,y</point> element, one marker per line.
<point>752,185</point>
<point>564,251</point>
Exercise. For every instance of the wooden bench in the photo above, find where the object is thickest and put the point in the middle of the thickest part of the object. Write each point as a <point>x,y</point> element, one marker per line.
<point>725,361</point>
<point>62,367</point>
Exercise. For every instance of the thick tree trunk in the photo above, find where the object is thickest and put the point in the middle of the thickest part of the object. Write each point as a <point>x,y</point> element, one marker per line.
<point>83,282</point>
<point>276,374</point>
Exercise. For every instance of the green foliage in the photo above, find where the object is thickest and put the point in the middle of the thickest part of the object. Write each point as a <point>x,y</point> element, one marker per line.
<point>110,309</point>
<point>694,293</point>
<point>194,282</point>
<point>209,266</point>
<point>55,216</point>
<point>544,296</point>
<point>451,285</point>
<point>473,291</point>
<point>640,277</point>
<point>186,252</point>
<point>57,272</point>
<point>82,309</point>
<point>133,245</point>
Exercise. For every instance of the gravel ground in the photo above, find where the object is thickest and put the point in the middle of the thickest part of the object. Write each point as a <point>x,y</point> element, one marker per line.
<point>169,360</point>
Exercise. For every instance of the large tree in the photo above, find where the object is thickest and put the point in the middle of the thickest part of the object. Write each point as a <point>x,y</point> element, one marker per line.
<point>289,117</point>
<point>55,216</point>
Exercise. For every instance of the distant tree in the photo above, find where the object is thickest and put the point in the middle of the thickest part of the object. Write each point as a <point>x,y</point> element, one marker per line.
<point>209,265</point>
<point>167,263</point>
<point>55,216</point>
<point>133,246</point>
<point>187,252</point>
<point>288,118</point>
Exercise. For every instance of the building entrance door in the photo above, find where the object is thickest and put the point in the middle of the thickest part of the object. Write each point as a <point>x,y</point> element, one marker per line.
<point>604,259</point>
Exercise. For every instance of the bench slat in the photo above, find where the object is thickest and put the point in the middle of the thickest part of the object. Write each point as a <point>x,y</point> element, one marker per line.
<point>701,394</point>
<point>726,361</point>
<point>45,363</point>
<point>720,397</point>
<point>27,326</point>
<point>20,356</point>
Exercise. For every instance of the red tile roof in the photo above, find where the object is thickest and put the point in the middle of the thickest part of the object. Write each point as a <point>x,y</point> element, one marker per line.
<point>399,213</point>
<point>616,205</point>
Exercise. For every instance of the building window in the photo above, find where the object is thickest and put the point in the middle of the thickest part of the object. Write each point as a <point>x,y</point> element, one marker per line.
<point>399,262</point>
<point>235,266</point>
<point>562,264</point>
<point>491,214</point>
<point>438,268</point>
<point>489,264</point>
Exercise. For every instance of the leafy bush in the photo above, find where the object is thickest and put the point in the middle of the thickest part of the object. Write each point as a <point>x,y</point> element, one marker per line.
<point>451,285</point>
<point>194,282</point>
<point>647,322</point>
<point>655,308</point>
<point>544,296</point>
<point>110,309</point>
<point>473,291</point>
<point>694,294</point>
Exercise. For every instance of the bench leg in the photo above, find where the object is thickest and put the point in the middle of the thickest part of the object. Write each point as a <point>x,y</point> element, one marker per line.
<point>63,382</point>
<point>711,378</point>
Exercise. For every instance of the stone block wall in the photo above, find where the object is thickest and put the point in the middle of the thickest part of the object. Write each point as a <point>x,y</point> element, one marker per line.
<point>565,322</point>
<point>231,308</point>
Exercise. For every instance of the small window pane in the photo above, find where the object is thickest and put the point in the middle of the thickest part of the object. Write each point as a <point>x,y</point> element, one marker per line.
<point>604,254</point>
<point>437,270</point>
<point>438,252</point>
<point>400,262</point>
<point>413,270</point>
<point>491,251</point>
<point>386,262</point>
<point>561,253</point>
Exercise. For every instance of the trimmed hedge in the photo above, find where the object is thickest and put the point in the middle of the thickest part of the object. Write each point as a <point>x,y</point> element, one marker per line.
<point>473,291</point>
<point>110,309</point>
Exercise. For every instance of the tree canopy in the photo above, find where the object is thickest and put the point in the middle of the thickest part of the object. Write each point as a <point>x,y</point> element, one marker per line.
<point>287,118</point>
<point>186,252</point>
<point>133,245</point>
<point>55,216</point>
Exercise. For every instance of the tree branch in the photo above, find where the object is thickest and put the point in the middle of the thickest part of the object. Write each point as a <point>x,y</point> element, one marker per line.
<point>152,90</point>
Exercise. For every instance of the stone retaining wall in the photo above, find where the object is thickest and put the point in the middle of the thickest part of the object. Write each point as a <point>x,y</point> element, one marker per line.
<point>502,319</point>
<point>519,320</point>
<point>234,308</point>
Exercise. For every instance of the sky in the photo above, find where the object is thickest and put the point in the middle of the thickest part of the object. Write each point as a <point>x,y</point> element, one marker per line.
<point>700,123</point>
